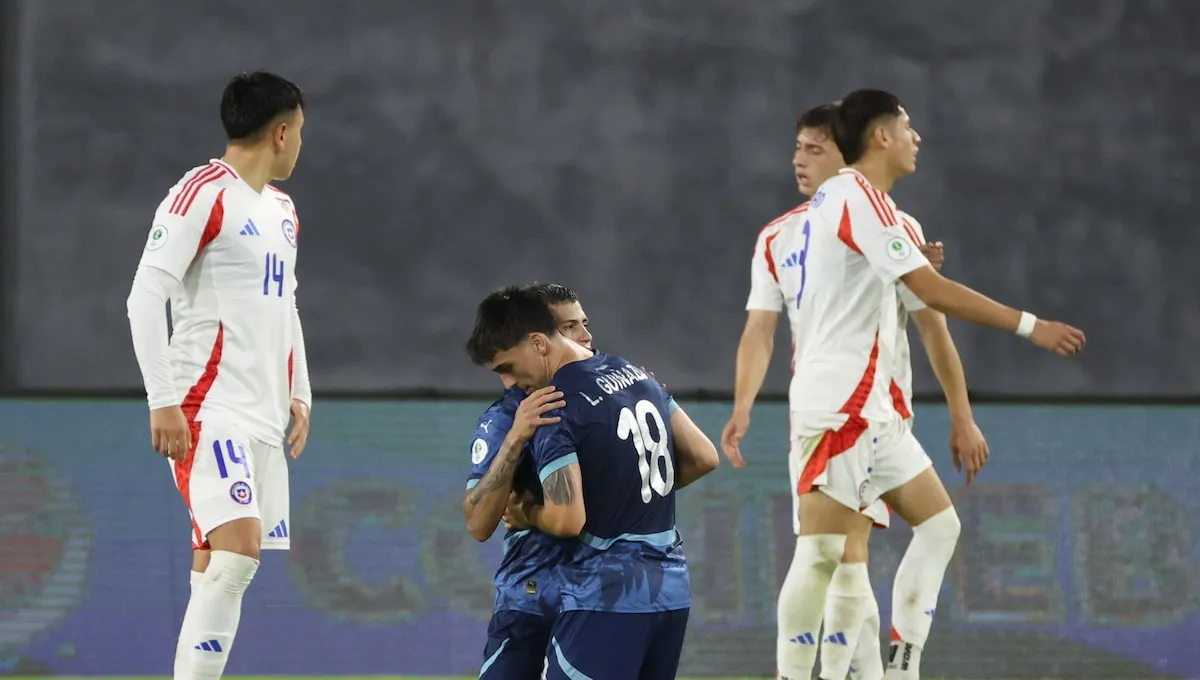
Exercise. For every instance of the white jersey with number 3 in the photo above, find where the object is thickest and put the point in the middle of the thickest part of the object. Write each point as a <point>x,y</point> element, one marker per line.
<point>833,264</point>
<point>234,250</point>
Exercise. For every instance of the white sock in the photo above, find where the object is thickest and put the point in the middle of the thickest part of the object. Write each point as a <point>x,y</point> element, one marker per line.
<point>867,663</point>
<point>212,617</point>
<point>847,606</point>
<point>802,603</point>
<point>915,593</point>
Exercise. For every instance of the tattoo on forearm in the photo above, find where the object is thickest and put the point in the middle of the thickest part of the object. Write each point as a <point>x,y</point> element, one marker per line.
<point>559,487</point>
<point>499,475</point>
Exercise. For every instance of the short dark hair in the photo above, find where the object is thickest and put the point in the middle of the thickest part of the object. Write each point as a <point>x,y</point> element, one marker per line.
<point>554,294</point>
<point>251,101</point>
<point>820,117</point>
<point>504,319</point>
<point>858,114</point>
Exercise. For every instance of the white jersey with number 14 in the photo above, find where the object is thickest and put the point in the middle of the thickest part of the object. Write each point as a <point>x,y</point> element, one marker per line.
<point>234,250</point>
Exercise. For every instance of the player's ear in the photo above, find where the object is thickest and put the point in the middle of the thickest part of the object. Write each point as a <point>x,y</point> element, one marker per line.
<point>540,343</point>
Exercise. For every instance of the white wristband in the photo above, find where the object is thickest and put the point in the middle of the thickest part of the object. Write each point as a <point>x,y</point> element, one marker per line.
<point>1025,326</point>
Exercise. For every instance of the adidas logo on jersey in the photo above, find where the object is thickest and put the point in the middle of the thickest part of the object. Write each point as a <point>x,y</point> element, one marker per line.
<point>280,530</point>
<point>792,260</point>
<point>250,229</point>
<point>210,646</point>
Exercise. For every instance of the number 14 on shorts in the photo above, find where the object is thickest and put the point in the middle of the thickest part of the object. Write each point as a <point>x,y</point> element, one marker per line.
<point>236,455</point>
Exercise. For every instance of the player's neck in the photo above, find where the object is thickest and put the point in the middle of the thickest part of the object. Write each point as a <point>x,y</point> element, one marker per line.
<point>252,164</point>
<point>570,353</point>
<point>876,172</point>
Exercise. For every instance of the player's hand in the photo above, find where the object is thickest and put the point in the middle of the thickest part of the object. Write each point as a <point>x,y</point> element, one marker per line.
<point>170,433</point>
<point>517,513</point>
<point>1057,337</point>
<point>298,437</point>
<point>661,384</point>
<point>935,253</point>
<point>731,437</point>
<point>969,448</point>
<point>531,414</point>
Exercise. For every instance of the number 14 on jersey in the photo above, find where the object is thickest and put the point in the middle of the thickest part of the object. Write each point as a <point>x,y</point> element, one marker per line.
<point>273,275</point>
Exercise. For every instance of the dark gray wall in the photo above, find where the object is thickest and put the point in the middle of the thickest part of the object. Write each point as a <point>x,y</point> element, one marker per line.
<point>630,149</point>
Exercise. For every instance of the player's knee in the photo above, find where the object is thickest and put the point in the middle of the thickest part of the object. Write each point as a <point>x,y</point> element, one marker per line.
<point>230,571</point>
<point>241,536</point>
<point>856,549</point>
<point>943,527</point>
<point>818,552</point>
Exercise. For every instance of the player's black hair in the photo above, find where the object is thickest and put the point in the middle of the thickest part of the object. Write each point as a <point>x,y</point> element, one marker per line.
<point>253,100</point>
<point>820,117</point>
<point>858,114</point>
<point>504,319</point>
<point>554,294</point>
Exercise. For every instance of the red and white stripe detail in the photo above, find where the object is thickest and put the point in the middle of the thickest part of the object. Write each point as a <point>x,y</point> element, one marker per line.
<point>191,409</point>
<point>879,202</point>
<point>837,442</point>
<point>191,188</point>
<point>912,233</point>
<point>798,210</point>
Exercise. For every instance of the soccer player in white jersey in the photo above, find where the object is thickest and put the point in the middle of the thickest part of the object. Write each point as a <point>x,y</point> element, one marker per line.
<point>851,612</point>
<point>837,277</point>
<point>221,390</point>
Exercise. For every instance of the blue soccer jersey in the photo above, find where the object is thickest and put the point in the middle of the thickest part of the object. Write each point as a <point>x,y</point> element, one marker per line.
<point>616,425</point>
<point>526,579</point>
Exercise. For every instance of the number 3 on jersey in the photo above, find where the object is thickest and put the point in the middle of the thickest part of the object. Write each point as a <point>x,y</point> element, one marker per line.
<point>274,274</point>
<point>803,258</point>
<point>654,456</point>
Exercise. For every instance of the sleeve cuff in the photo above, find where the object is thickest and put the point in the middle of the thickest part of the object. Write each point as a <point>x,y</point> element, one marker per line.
<point>557,464</point>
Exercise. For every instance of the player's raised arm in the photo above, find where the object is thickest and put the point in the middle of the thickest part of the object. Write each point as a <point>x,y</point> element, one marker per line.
<point>695,453</point>
<point>961,302</point>
<point>875,232</point>
<point>554,454</point>
<point>757,343</point>
<point>498,454</point>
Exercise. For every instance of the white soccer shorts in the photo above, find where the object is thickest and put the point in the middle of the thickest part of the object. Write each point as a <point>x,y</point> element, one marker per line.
<point>899,458</point>
<point>228,476</point>
<point>839,463</point>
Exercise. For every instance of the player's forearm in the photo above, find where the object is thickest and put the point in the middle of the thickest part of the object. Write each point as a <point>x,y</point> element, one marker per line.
<point>556,520</point>
<point>301,387</point>
<point>753,358</point>
<point>956,300</point>
<point>483,508</point>
<point>947,364</point>
<point>147,311</point>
